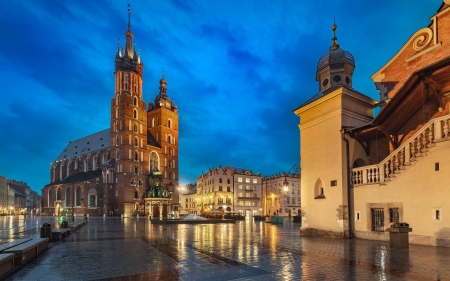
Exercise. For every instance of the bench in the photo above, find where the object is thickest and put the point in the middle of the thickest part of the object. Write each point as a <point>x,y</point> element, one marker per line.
<point>60,233</point>
<point>13,243</point>
<point>26,251</point>
<point>75,225</point>
<point>6,264</point>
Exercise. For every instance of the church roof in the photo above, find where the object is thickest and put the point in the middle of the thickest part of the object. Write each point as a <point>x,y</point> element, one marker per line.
<point>326,92</point>
<point>91,143</point>
<point>335,58</point>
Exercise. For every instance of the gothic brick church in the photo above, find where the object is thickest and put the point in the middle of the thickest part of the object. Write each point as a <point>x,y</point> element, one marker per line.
<point>116,171</point>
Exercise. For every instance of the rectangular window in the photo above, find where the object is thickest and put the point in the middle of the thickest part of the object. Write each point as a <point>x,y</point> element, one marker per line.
<point>255,181</point>
<point>220,200</point>
<point>228,189</point>
<point>377,219</point>
<point>436,166</point>
<point>240,194</point>
<point>437,215</point>
<point>247,187</point>
<point>333,183</point>
<point>239,179</point>
<point>248,194</point>
<point>228,200</point>
<point>240,186</point>
<point>247,180</point>
<point>394,215</point>
<point>240,203</point>
<point>220,188</point>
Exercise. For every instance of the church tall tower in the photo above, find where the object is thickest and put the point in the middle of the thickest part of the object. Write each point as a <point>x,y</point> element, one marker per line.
<point>162,116</point>
<point>128,127</point>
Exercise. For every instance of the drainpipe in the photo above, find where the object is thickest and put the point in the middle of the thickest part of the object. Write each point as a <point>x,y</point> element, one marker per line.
<point>349,185</point>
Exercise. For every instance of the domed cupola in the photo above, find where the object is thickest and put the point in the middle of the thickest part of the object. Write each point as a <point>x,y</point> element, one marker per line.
<point>335,68</point>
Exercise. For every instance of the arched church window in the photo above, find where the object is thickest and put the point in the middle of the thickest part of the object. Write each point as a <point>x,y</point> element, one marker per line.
<point>153,161</point>
<point>68,196</point>
<point>78,197</point>
<point>136,142</point>
<point>135,114</point>
<point>92,195</point>
<point>126,82</point>
<point>154,122</point>
<point>135,100</point>
<point>136,156</point>
<point>169,123</point>
<point>169,138</point>
<point>50,198</point>
<point>92,201</point>
<point>117,112</point>
<point>135,128</point>
<point>58,193</point>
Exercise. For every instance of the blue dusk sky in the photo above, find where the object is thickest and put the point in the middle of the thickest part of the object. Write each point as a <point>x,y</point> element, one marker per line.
<point>235,69</point>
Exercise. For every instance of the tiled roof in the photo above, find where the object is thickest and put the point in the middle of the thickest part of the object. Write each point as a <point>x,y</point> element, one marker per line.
<point>94,142</point>
<point>326,92</point>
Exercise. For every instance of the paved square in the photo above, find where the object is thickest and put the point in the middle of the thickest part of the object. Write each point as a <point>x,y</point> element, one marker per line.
<point>134,249</point>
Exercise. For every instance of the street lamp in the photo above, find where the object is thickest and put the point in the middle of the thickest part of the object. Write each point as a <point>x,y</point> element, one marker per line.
<point>295,170</point>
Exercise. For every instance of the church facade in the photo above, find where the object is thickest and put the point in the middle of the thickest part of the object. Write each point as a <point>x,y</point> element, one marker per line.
<point>128,169</point>
<point>362,174</point>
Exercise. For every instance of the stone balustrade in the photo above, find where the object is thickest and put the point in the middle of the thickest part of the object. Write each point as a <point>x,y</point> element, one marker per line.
<point>436,130</point>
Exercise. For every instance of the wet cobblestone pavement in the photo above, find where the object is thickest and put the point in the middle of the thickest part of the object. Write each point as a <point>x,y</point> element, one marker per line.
<point>134,249</point>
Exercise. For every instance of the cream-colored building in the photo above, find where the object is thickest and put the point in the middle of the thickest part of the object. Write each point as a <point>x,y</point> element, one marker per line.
<point>188,199</point>
<point>279,200</point>
<point>360,172</point>
<point>229,189</point>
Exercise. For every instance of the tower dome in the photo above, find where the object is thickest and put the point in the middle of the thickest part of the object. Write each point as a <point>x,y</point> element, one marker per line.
<point>336,67</point>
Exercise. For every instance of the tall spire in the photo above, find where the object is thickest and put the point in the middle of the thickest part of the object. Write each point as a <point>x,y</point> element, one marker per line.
<point>334,45</point>
<point>129,37</point>
<point>129,15</point>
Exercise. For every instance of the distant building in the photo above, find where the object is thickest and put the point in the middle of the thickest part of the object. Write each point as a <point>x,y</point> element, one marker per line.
<point>22,196</point>
<point>229,189</point>
<point>362,173</point>
<point>278,200</point>
<point>113,172</point>
<point>3,195</point>
<point>188,199</point>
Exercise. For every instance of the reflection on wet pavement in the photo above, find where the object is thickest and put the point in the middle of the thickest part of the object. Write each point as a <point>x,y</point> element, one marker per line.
<point>134,249</point>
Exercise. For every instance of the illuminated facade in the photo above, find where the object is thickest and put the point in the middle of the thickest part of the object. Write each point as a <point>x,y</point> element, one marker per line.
<point>280,201</point>
<point>111,172</point>
<point>229,189</point>
<point>361,173</point>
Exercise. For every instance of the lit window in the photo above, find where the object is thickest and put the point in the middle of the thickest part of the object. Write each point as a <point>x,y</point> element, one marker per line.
<point>239,179</point>
<point>255,181</point>
<point>247,180</point>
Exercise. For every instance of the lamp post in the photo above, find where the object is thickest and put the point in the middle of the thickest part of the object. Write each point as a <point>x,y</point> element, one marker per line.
<point>295,169</point>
